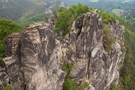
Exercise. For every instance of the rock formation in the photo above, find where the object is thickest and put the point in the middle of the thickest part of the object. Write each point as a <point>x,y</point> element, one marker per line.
<point>91,62</point>
<point>34,57</point>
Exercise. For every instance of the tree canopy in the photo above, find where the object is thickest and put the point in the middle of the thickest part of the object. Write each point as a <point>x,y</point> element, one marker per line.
<point>66,17</point>
<point>6,27</point>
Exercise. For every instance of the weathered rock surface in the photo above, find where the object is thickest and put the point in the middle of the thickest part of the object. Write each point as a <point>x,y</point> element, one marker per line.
<point>91,63</point>
<point>33,59</point>
<point>35,56</point>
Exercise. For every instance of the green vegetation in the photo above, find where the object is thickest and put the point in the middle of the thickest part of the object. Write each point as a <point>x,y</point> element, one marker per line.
<point>113,87</point>
<point>127,73</point>
<point>64,24</point>
<point>107,39</point>
<point>83,86</point>
<point>107,18</point>
<point>67,67</point>
<point>67,16</point>
<point>6,88</point>
<point>105,67</point>
<point>6,27</point>
<point>87,22</point>
<point>117,11</point>
<point>70,84</point>
<point>110,6</point>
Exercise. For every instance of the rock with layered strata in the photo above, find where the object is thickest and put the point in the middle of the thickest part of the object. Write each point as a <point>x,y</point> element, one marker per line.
<point>91,63</point>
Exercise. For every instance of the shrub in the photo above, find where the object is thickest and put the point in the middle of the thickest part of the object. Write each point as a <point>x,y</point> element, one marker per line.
<point>107,18</point>
<point>69,84</point>
<point>83,86</point>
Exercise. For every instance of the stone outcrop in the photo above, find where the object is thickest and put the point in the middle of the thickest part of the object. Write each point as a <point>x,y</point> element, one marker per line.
<point>33,59</point>
<point>91,63</point>
<point>35,56</point>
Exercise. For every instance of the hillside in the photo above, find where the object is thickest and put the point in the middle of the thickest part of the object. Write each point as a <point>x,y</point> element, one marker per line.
<point>122,8</point>
<point>28,11</point>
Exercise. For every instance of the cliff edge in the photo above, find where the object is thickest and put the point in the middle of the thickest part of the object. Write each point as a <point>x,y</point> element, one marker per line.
<point>35,57</point>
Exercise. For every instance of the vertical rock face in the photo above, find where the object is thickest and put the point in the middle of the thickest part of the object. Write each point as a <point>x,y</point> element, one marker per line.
<point>91,63</point>
<point>33,60</point>
<point>34,57</point>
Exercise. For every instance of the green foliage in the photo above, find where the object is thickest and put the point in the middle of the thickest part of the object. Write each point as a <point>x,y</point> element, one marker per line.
<point>127,73</point>
<point>105,67</point>
<point>63,18</point>
<point>66,17</point>
<point>67,67</point>
<point>7,88</point>
<point>117,11</point>
<point>72,85</point>
<point>107,18</point>
<point>87,22</point>
<point>127,79</point>
<point>113,87</point>
<point>83,86</point>
<point>69,84</point>
<point>6,27</point>
<point>55,14</point>
<point>107,39</point>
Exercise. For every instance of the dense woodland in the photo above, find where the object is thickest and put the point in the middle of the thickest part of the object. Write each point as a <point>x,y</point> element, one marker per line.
<point>110,6</point>
<point>25,12</point>
<point>127,73</point>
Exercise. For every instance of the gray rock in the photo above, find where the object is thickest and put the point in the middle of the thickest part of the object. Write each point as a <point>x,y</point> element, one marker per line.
<point>33,60</point>
<point>35,56</point>
<point>90,61</point>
